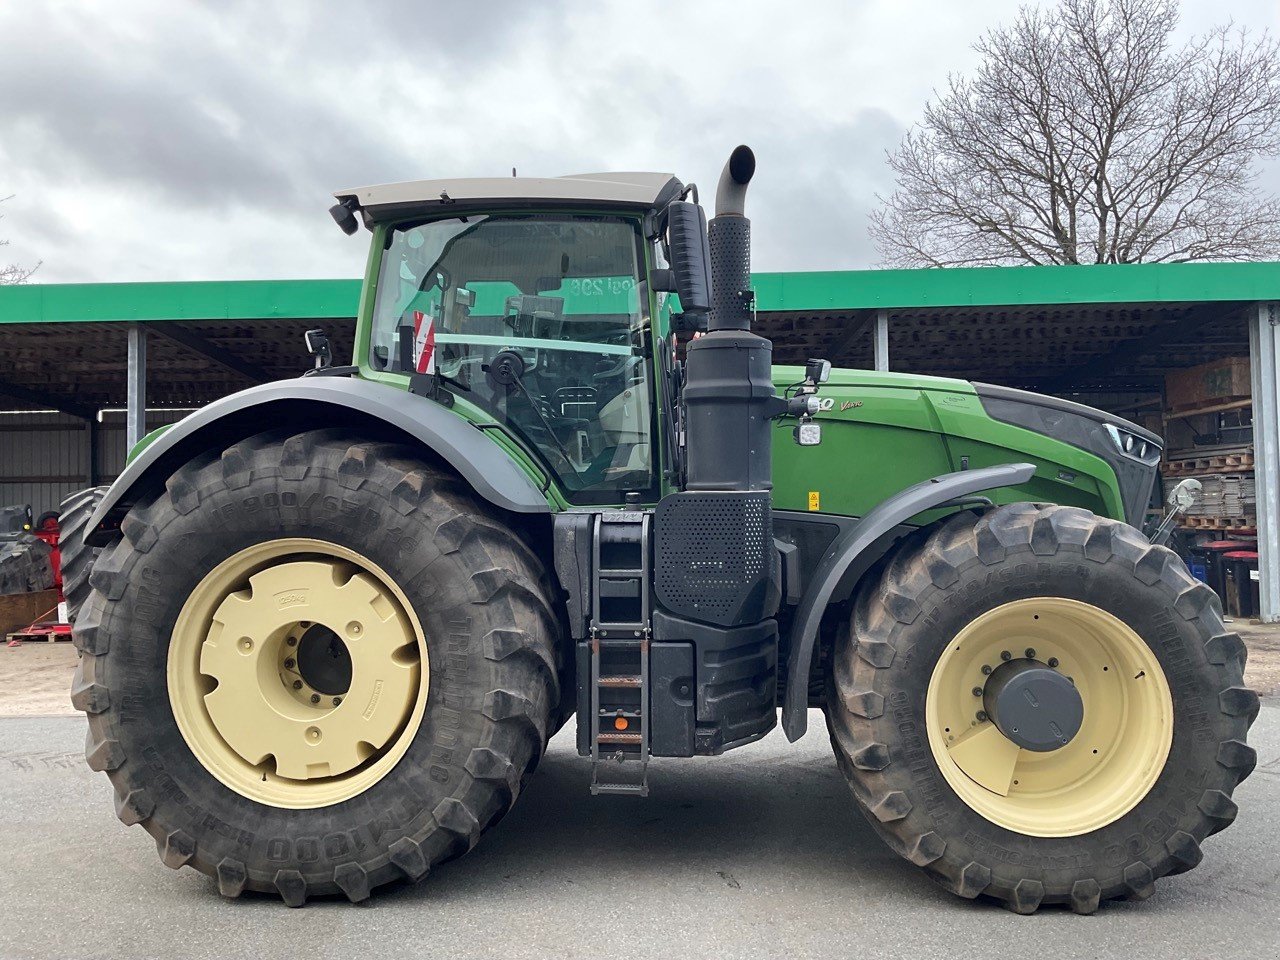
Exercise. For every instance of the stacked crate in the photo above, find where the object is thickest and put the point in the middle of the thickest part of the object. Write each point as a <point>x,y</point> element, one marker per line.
<point>1205,404</point>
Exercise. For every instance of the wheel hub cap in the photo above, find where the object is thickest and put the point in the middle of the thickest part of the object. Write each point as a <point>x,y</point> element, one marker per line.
<point>297,673</point>
<point>1033,705</point>
<point>1049,717</point>
<point>263,705</point>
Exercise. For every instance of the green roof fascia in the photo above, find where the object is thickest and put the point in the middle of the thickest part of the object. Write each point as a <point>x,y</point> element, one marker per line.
<point>792,291</point>
<point>193,300</point>
<point>1017,286</point>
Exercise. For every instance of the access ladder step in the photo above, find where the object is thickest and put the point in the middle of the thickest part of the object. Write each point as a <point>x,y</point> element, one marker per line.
<point>633,789</point>
<point>620,631</point>
<point>618,738</point>
<point>627,682</point>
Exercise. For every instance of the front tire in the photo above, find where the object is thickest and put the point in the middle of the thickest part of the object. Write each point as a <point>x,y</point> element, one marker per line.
<point>231,560</point>
<point>1120,804</point>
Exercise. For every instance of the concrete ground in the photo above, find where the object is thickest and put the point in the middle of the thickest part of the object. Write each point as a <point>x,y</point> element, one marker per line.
<point>759,853</point>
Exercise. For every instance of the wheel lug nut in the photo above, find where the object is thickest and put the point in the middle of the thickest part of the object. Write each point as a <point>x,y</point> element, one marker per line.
<point>1031,653</point>
<point>292,641</point>
<point>977,691</point>
<point>985,669</point>
<point>315,698</point>
<point>981,715</point>
<point>336,701</point>
<point>297,684</point>
<point>1053,661</point>
<point>1006,655</point>
<point>288,664</point>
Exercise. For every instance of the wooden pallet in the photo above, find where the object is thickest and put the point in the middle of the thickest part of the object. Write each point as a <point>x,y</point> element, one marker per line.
<point>1218,523</point>
<point>1221,463</point>
<point>19,610</point>
<point>41,632</point>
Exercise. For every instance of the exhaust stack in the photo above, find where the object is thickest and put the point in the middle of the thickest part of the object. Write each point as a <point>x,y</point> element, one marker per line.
<point>716,558</point>
<point>728,385</point>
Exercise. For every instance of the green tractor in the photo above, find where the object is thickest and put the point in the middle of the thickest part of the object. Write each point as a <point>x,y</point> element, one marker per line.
<point>333,621</point>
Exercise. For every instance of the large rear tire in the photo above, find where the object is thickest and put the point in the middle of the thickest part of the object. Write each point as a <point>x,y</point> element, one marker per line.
<point>271,775</point>
<point>77,556</point>
<point>1122,802</point>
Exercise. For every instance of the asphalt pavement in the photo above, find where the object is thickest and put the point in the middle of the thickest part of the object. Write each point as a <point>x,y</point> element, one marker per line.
<point>759,853</point>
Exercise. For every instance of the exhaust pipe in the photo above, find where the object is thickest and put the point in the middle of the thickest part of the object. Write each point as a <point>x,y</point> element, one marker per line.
<point>729,237</point>
<point>731,192</point>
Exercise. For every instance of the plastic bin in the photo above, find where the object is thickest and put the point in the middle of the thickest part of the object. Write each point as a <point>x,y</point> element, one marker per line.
<point>1211,555</point>
<point>1242,588</point>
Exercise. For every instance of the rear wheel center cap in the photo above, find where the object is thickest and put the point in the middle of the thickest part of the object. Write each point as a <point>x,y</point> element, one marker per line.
<point>1033,705</point>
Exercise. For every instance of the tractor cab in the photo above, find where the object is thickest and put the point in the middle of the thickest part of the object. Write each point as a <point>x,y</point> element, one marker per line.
<point>526,303</point>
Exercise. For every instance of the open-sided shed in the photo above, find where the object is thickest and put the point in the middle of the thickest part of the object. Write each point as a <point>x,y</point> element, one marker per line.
<point>111,359</point>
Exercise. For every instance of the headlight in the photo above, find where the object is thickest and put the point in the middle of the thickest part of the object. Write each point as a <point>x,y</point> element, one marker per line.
<point>808,434</point>
<point>1133,445</point>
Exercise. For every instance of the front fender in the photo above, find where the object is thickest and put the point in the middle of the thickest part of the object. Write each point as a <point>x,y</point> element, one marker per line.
<point>844,550</point>
<point>315,402</point>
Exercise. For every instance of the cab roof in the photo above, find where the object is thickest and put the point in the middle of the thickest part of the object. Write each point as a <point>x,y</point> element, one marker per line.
<point>642,191</point>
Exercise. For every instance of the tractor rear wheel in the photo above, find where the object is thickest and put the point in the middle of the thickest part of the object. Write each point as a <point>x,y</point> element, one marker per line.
<point>77,556</point>
<point>1136,741</point>
<point>314,665</point>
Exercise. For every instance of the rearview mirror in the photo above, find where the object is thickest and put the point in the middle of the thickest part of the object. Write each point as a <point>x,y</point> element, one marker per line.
<point>690,259</point>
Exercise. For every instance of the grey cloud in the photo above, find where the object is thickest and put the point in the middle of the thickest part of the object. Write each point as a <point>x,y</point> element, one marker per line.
<point>224,125</point>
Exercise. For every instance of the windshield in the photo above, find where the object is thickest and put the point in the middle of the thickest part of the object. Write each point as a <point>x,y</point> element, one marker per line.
<point>558,297</point>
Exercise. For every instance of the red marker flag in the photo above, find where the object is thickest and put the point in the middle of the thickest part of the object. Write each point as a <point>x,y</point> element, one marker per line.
<point>424,343</point>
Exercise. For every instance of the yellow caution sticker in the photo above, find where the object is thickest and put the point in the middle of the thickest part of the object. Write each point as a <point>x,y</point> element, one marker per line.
<point>815,501</point>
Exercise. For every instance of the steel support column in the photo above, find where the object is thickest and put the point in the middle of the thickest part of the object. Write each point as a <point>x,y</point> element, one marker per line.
<point>91,446</point>
<point>1264,364</point>
<point>882,340</point>
<point>136,415</point>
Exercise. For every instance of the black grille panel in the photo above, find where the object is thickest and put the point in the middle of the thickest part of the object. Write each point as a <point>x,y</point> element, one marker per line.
<point>714,556</point>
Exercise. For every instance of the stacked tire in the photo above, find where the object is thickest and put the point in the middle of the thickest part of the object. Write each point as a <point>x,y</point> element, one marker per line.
<point>77,556</point>
<point>26,564</point>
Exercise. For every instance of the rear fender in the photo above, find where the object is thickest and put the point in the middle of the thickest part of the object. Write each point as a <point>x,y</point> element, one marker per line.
<point>844,552</point>
<point>315,403</point>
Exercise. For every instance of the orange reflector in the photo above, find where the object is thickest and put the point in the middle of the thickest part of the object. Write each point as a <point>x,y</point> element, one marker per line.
<point>619,723</point>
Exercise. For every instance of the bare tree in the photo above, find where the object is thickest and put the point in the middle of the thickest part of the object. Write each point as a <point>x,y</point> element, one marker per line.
<point>1085,137</point>
<point>14,273</point>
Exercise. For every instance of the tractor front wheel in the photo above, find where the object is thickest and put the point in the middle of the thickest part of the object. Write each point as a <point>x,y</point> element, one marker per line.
<point>314,665</point>
<point>1037,705</point>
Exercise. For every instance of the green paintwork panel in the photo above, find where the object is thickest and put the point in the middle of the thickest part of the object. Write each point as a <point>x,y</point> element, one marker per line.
<point>886,431</point>
<point>145,442</point>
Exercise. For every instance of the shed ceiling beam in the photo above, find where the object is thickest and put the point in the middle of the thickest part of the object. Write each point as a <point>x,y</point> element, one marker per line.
<point>47,401</point>
<point>851,332</point>
<point>177,333</point>
<point>1128,351</point>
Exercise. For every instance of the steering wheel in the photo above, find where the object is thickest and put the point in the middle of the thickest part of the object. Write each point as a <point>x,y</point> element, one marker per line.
<point>625,367</point>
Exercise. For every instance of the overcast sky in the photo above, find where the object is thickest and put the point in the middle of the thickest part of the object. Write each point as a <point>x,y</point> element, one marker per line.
<point>170,140</point>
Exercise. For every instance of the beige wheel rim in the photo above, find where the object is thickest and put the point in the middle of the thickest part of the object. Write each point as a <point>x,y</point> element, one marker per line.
<point>298,673</point>
<point>1107,767</point>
